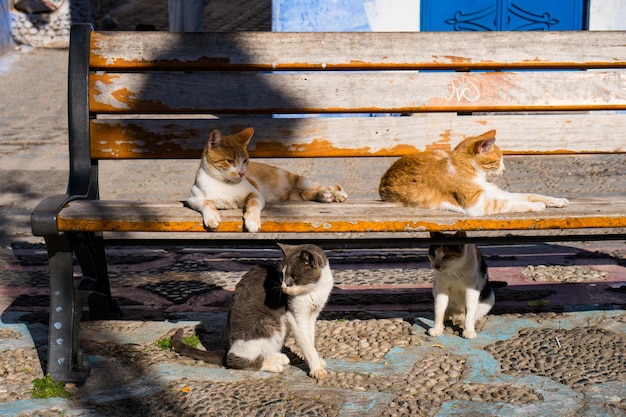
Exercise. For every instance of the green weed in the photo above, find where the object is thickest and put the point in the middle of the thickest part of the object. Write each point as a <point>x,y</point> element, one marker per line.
<point>47,388</point>
<point>166,343</point>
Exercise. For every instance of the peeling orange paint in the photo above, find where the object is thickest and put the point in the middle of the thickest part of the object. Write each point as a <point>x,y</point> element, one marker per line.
<point>132,141</point>
<point>103,78</point>
<point>342,218</point>
<point>346,226</point>
<point>135,141</point>
<point>114,144</point>
<point>319,148</point>
<point>123,95</point>
<point>457,59</point>
<point>441,144</point>
<point>97,62</point>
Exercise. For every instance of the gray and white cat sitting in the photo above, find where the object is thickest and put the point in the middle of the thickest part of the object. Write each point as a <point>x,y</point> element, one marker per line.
<point>268,302</point>
<point>461,287</point>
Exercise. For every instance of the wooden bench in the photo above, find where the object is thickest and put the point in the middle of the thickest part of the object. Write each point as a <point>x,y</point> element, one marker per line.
<point>157,95</point>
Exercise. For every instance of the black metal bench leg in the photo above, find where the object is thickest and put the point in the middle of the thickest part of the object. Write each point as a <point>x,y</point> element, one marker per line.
<point>64,311</point>
<point>89,250</point>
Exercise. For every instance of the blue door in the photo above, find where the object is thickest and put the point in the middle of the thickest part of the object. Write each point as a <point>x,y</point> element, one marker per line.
<point>484,15</point>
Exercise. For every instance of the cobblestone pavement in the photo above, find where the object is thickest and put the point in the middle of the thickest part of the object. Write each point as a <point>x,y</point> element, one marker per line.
<point>553,345</point>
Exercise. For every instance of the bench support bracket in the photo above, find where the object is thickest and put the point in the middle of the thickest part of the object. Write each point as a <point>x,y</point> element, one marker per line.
<point>67,297</point>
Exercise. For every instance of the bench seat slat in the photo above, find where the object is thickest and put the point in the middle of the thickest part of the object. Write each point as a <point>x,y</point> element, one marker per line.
<point>307,217</point>
<point>249,50</point>
<point>357,92</point>
<point>353,136</point>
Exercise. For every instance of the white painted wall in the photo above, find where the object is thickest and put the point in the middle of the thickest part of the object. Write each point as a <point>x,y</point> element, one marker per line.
<point>393,15</point>
<point>607,15</point>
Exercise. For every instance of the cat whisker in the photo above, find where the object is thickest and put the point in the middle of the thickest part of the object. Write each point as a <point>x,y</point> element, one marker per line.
<point>277,289</point>
<point>458,276</point>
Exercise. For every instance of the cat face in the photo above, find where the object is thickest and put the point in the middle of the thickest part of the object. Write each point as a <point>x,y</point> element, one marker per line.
<point>301,267</point>
<point>226,157</point>
<point>483,152</point>
<point>443,256</point>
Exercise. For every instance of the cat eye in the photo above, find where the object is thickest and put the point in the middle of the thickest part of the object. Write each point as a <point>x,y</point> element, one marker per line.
<point>230,161</point>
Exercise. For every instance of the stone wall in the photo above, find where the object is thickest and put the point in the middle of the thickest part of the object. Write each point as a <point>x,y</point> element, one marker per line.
<point>49,30</point>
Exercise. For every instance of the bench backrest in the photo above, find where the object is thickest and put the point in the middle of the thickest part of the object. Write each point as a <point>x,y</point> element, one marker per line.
<point>159,94</point>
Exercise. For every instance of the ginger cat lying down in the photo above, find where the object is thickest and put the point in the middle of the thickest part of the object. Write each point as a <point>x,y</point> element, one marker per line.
<point>457,181</point>
<point>226,180</point>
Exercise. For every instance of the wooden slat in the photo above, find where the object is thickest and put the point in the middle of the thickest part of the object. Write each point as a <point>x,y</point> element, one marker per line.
<point>360,136</point>
<point>124,216</point>
<point>422,50</point>
<point>357,92</point>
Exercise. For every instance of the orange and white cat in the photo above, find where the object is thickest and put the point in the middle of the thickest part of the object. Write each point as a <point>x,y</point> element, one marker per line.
<point>457,181</point>
<point>227,180</point>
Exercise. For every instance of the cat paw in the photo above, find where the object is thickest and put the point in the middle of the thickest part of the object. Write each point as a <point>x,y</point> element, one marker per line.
<point>282,358</point>
<point>252,222</point>
<point>339,194</point>
<point>270,365</point>
<point>319,373</point>
<point>558,202</point>
<point>469,334</point>
<point>211,219</point>
<point>331,194</point>
<point>435,331</point>
<point>325,195</point>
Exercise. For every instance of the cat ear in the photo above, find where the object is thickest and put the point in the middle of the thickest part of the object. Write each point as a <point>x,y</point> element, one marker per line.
<point>486,145</point>
<point>215,138</point>
<point>311,259</point>
<point>245,135</point>
<point>460,233</point>
<point>284,247</point>
<point>487,142</point>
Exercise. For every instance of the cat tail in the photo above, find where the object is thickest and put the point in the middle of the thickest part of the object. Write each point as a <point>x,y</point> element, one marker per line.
<point>213,357</point>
